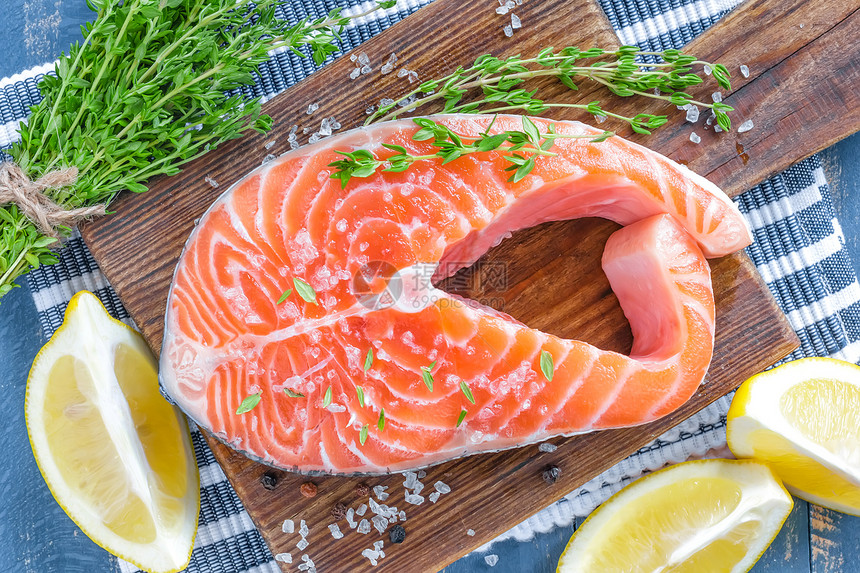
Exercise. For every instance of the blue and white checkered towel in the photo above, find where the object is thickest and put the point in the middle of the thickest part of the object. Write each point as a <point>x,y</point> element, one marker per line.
<point>798,249</point>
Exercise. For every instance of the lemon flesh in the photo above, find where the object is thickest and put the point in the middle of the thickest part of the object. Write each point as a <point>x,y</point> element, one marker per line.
<point>115,455</point>
<point>712,515</point>
<point>803,419</point>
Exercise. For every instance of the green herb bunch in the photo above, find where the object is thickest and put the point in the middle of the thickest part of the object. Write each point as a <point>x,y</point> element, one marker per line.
<point>144,93</point>
<point>493,85</point>
<point>520,149</point>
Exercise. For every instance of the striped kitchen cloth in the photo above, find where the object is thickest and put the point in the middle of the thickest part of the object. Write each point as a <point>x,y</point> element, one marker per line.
<point>798,249</point>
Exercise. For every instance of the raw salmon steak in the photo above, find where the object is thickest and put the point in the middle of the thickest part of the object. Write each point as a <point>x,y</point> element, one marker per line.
<point>452,377</point>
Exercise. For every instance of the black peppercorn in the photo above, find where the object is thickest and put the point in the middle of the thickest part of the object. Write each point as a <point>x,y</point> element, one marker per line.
<point>269,480</point>
<point>397,534</point>
<point>551,474</point>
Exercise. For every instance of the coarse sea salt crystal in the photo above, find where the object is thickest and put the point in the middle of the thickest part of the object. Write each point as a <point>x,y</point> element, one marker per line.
<point>303,529</point>
<point>745,71</point>
<point>288,526</point>
<point>692,114</point>
<point>312,108</point>
<point>442,487</point>
<point>386,69</point>
<point>509,31</point>
<point>335,531</point>
<point>350,518</point>
<point>366,69</point>
<point>363,59</point>
<point>284,558</point>
<point>268,158</point>
<point>402,515</point>
<point>371,555</point>
<point>315,136</point>
<point>434,497</point>
<point>717,97</point>
<point>352,57</point>
<point>502,10</point>
<point>413,77</point>
<point>379,492</point>
<point>411,480</point>
<point>363,527</point>
<point>354,73</point>
<point>270,144</point>
<point>745,126</point>
<point>386,101</point>
<point>294,144</point>
<point>414,499</point>
<point>547,447</point>
<point>362,509</point>
<point>470,532</point>
<point>599,118</point>
<point>422,474</point>
<point>380,523</point>
<point>695,138</point>
<point>708,70</point>
<point>212,183</point>
<point>302,544</point>
<point>516,23</point>
<point>402,72</point>
<point>491,559</point>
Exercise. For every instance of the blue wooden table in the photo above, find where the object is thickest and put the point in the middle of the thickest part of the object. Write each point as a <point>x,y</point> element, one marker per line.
<point>37,537</point>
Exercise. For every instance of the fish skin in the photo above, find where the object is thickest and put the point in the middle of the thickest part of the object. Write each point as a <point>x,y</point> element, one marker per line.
<point>226,338</point>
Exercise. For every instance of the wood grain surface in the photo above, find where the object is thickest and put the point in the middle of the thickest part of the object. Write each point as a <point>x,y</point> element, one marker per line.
<point>554,281</point>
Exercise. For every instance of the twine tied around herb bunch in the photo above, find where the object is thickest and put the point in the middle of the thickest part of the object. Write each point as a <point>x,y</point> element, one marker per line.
<point>30,197</point>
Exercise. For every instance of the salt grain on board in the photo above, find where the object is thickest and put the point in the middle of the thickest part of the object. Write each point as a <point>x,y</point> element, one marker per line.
<point>508,31</point>
<point>335,531</point>
<point>442,487</point>
<point>312,108</point>
<point>288,526</point>
<point>284,558</point>
<point>470,532</point>
<point>380,523</point>
<point>434,497</point>
<point>708,70</point>
<point>745,71</point>
<point>695,138</point>
<point>371,554</point>
<point>516,23</point>
<point>502,10</point>
<point>302,544</point>
<point>363,527</point>
<point>363,59</point>
<point>717,97</point>
<point>362,509</point>
<point>692,114</point>
<point>350,518</point>
<point>303,529</point>
<point>745,126</point>
<point>491,559</point>
<point>422,474</point>
<point>212,183</point>
<point>547,447</point>
<point>354,73</point>
<point>379,492</point>
<point>414,499</point>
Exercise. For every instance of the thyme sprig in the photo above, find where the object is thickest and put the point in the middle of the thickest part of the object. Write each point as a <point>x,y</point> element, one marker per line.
<point>519,148</point>
<point>493,85</point>
<point>152,86</point>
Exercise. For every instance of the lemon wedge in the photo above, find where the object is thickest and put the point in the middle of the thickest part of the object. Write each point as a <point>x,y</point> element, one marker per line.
<point>710,515</point>
<point>115,455</point>
<point>803,419</point>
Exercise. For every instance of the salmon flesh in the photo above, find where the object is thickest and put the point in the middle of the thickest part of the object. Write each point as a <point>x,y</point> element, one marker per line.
<point>453,377</point>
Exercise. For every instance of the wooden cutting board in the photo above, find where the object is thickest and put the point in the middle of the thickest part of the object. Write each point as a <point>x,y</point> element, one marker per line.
<point>553,279</point>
